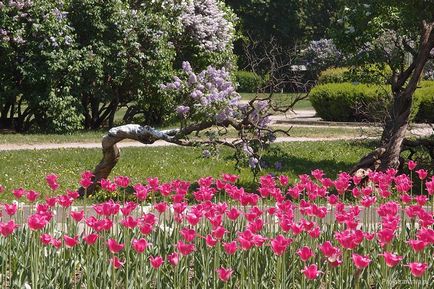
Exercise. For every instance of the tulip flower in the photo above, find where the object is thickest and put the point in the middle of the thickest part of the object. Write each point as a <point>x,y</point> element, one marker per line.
<point>52,181</point>
<point>173,258</point>
<point>185,249</point>
<point>224,274</point>
<point>360,261</point>
<point>156,262</point>
<point>37,222</point>
<point>391,259</point>
<point>116,262</point>
<point>11,209</point>
<point>90,239</point>
<point>139,245</point>
<point>230,248</point>
<point>411,165</point>
<point>114,246</point>
<point>8,228</point>
<point>311,272</point>
<point>77,216</point>
<point>417,269</point>
<point>70,241</point>
<point>279,244</point>
<point>305,253</point>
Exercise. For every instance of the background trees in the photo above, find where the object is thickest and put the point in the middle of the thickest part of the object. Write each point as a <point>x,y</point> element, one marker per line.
<point>398,34</point>
<point>73,64</point>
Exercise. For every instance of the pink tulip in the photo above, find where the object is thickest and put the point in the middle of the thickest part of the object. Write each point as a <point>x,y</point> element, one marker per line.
<point>70,241</point>
<point>311,272</point>
<point>65,201</point>
<point>11,209</point>
<point>52,181</point>
<point>32,196</point>
<point>422,174</point>
<point>156,262</point>
<point>219,232</point>
<point>122,181</point>
<point>391,259</point>
<point>140,191</point>
<point>417,269</point>
<point>86,179</point>
<point>305,253</point>
<point>161,207</point>
<point>360,261</point>
<point>37,222</point>
<point>18,193</point>
<point>45,239</point>
<point>56,243</point>
<point>90,239</point>
<point>77,216</point>
<point>210,240</point>
<point>129,222</point>
<point>224,274</point>
<point>8,228</point>
<point>107,185</point>
<point>279,244</point>
<point>173,258</point>
<point>114,246</point>
<point>230,248</point>
<point>188,234</point>
<point>185,249</point>
<point>116,262</point>
<point>139,245</point>
<point>417,245</point>
<point>411,165</point>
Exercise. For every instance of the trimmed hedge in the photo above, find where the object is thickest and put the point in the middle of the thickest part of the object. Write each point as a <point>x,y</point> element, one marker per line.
<point>248,81</point>
<point>369,73</point>
<point>334,75</point>
<point>362,102</point>
<point>349,102</point>
<point>425,99</point>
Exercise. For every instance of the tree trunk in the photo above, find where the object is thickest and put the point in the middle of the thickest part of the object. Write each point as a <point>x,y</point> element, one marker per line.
<point>388,154</point>
<point>111,152</point>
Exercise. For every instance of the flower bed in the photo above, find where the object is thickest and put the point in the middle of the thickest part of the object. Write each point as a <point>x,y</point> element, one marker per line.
<point>217,235</point>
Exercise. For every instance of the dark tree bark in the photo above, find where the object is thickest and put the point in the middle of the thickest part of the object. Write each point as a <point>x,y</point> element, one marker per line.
<point>403,88</point>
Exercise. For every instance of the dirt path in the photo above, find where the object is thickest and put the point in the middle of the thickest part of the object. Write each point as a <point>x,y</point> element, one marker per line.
<point>125,144</point>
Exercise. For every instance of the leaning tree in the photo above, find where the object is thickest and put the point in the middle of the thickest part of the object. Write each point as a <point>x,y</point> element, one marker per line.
<point>399,34</point>
<point>211,114</point>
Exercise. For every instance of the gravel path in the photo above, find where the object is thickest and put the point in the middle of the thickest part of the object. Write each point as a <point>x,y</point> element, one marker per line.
<point>125,144</point>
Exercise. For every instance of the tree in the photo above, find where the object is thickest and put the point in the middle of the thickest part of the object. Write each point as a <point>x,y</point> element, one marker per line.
<point>291,23</point>
<point>208,107</point>
<point>395,33</point>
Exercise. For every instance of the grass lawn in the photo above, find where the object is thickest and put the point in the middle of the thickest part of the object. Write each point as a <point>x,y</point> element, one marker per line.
<point>281,98</point>
<point>27,168</point>
<point>95,136</point>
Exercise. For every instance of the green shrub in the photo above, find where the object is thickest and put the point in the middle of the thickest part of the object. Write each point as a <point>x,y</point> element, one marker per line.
<point>349,102</point>
<point>334,75</point>
<point>369,73</point>
<point>248,81</point>
<point>424,96</point>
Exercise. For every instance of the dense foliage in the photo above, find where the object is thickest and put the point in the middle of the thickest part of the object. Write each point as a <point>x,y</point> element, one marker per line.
<point>248,81</point>
<point>67,65</point>
<point>349,101</point>
<point>353,101</point>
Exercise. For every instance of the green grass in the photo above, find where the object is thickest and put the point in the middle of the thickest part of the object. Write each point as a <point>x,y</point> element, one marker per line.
<point>281,98</point>
<point>28,168</point>
<point>95,136</point>
<point>82,136</point>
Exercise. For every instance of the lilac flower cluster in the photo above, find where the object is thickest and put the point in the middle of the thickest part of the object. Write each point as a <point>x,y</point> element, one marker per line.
<point>206,22</point>
<point>322,54</point>
<point>210,93</point>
